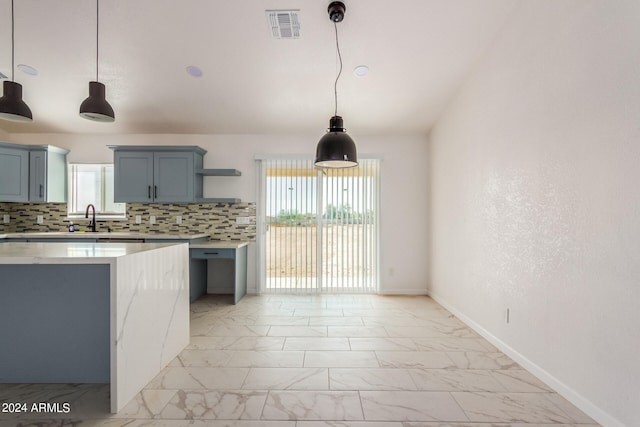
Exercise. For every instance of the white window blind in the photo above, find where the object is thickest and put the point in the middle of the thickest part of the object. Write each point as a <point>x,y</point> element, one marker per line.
<point>320,227</point>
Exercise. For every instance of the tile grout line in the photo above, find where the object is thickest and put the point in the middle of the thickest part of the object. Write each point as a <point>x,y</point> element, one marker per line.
<point>244,380</point>
<point>364,418</point>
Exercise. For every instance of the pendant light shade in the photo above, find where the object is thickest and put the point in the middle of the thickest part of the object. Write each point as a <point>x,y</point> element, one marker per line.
<point>96,107</point>
<point>336,149</point>
<point>12,107</point>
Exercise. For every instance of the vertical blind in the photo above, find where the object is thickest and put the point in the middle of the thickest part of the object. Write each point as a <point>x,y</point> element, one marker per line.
<point>321,227</point>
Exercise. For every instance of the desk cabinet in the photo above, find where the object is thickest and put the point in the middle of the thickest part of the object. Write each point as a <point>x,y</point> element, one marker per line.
<point>217,270</point>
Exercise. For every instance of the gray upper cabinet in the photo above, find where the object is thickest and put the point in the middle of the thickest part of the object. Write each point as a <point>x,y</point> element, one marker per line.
<point>133,176</point>
<point>33,173</point>
<point>48,175</point>
<point>14,174</point>
<point>174,176</point>
<point>160,174</point>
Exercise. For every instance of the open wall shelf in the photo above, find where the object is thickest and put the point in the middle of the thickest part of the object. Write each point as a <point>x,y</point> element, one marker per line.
<point>217,200</point>
<point>218,172</point>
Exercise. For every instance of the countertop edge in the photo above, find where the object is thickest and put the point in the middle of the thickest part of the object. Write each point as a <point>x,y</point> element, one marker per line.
<point>219,245</point>
<point>101,235</point>
<point>74,252</point>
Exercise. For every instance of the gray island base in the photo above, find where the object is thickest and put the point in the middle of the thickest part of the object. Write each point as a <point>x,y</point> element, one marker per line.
<point>114,313</point>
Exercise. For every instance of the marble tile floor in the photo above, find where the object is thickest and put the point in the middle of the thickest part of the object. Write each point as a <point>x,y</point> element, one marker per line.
<point>319,361</point>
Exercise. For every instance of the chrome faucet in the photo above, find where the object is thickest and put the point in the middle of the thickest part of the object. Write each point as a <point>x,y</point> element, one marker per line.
<point>92,224</point>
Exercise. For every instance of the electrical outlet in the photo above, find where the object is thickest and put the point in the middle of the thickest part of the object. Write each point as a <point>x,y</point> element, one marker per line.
<point>244,220</point>
<point>138,219</point>
<point>40,219</point>
<point>152,219</point>
<point>7,219</point>
<point>178,219</point>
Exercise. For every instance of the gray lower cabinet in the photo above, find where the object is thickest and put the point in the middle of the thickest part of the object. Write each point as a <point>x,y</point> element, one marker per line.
<point>14,174</point>
<point>33,173</point>
<point>157,175</point>
<point>57,323</point>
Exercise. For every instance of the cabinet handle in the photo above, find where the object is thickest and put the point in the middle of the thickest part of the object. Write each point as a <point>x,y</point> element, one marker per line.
<point>211,253</point>
<point>41,190</point>
<point>149,191</point>
<point>155,191</point>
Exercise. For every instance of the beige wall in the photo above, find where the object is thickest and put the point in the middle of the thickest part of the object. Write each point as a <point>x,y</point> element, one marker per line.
<point>536,205</point>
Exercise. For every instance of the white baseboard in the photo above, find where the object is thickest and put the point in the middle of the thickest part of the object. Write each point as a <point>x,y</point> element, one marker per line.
<point>563,389</point>
<point>402,292</point>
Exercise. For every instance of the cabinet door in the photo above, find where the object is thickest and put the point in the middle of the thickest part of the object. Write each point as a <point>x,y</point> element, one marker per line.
<point>56,179</point>
<point>133,176</point>
<point>37,176</point>
<point>14,175</point>
<point>174,177</point>
<point>47,176</point>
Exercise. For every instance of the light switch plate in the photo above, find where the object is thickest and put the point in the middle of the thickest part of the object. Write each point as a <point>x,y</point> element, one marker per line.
<point>178,219</point>
<point>7,219</point>
<point>244,220</point>
<point>40,219</point>
<point>138,219</point>
<point>152,219</point>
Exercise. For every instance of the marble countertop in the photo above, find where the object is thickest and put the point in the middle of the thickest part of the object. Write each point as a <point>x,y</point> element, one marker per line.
<point>72,252</point>
<point>101,235</point>
<point>218,245</point>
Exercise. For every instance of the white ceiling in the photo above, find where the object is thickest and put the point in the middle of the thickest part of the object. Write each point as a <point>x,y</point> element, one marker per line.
<point>418,51</point>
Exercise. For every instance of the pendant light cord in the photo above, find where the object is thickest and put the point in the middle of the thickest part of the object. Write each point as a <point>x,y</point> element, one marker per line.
<point>13,48</point>
<point>97,38</point>
<point>335,85</point>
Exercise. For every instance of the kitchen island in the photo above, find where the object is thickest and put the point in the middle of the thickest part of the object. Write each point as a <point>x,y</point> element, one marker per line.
<point>218,267</point>
<point>113,313</point>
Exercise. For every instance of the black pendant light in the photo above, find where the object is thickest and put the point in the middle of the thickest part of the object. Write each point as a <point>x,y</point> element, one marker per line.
<point>12,107</point>
<point>336,149</point>
<point>96,107</point>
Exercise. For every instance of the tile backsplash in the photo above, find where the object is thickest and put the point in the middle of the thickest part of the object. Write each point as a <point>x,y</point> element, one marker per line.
<point>216,219</point>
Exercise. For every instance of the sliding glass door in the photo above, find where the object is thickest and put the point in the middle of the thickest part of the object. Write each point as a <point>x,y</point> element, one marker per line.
<point>318,229</point>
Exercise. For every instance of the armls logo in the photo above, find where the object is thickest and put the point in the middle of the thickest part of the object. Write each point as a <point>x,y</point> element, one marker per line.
<point>45,407</point>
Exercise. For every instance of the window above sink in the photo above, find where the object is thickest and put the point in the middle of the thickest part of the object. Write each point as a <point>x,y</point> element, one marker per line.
<point>93,184</point>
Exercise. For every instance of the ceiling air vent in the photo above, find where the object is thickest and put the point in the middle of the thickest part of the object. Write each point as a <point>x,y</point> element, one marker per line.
<point>284,24</point>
